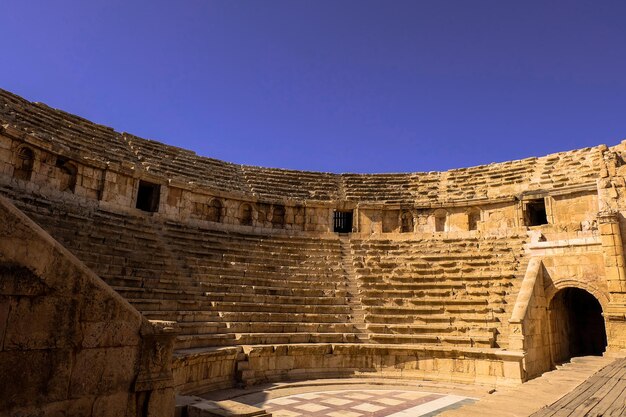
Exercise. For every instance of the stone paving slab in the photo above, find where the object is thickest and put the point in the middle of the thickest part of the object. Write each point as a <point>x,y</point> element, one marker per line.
<point>575,389</point>
<point>362,403</point>
<point>529,398</point>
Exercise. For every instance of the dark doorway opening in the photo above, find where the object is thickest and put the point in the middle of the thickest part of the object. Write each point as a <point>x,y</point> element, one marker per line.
<point>577,325</point>
<point>342,221</point>
<point>535,213</point>
<point>148,196</point>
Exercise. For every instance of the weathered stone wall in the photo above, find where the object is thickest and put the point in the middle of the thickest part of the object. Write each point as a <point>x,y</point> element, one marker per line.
<point>298,362</point>
<point>529,322</point>
<point>107,166</point>
<point>68,343</point>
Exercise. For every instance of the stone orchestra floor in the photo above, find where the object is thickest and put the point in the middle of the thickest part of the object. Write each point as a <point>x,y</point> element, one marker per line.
<point>576,389</point>
<point>363,403</point>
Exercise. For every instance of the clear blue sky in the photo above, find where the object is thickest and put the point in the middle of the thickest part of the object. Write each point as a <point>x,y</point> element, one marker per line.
<point>339,86</point>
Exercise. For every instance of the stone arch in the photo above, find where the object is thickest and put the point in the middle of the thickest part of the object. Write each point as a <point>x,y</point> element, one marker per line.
<point>246,214</point>
<point>24,163</point>
<point>441,220</point>
<point>406,222</point>
<point>577,325</point>
<point>560,284</point>
<point>473,217</point>
<point>278,216</point>
<point>215,210</point>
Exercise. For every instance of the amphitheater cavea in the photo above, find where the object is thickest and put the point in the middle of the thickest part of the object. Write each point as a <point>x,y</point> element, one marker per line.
<point>139,279</point>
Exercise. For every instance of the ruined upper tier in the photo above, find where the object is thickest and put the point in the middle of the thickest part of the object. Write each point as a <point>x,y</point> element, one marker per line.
<point>79,138</point>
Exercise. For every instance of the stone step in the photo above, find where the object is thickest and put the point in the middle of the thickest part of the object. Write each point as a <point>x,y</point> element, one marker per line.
<point>469,341</point>
<point>211,327</point>
<point>200,340</point>
<point>244,316</point>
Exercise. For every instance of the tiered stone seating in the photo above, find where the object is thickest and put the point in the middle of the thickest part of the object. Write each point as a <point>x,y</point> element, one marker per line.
<point>443,291</point>
<point>69,132</point>
<point>556,169</point>
<point>258,290</point>
<point>484,181</point>
<point>223,288</point>
<point>383,188</point>
<point>426,187</point>
<point>186,166</point>
<point>297,185</point>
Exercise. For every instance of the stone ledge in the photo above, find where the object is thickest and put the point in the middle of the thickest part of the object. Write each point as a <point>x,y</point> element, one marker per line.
<point>199,370</point>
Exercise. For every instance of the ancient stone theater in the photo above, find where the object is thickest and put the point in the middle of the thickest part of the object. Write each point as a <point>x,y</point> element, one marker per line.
<point>135,275</point>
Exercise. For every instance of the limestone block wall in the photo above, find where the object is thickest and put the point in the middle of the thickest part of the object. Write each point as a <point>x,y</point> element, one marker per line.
<point>575,212</point>
<point>299,362</point>
<point>200,371</point>
<point>86,159</point>
<point>529,322</point>
<point>68,342</point>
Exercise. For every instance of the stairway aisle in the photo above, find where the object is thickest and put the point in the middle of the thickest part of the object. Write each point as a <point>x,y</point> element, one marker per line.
<point>354,293</point>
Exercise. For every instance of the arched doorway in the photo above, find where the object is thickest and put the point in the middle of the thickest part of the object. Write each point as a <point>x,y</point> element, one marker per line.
<point>576,324</point>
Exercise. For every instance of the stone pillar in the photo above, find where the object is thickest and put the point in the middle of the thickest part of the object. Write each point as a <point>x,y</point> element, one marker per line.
<point>154,387</point>
<point>608,225</point>
<point>615,314</point>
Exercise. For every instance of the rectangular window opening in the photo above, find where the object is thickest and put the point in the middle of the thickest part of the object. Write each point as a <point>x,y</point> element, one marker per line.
<point>535,213</point>
<point>342,222</point>
<point>148,196</point>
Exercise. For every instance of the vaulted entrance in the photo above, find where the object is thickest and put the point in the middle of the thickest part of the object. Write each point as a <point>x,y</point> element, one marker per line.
<point>576,325</point>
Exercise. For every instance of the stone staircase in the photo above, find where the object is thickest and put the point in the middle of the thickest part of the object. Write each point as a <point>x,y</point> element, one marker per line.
<point>228,289</point>
<point>354,293</point>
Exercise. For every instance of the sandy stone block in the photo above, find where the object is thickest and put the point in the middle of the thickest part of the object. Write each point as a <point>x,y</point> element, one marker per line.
<point>77,407</point>
<point>512,370</point>
<point>261,351</point>
<point>299,362</point>
<point>443,365</point>
<point>110,334</point>
<point>227,367</point>
<point>113,405</point>
<point>427,364</point>
<point>5,143</point>
<point>160,401</point>
<point>309,350</point>
<point>103,371</point>
<point>40,323</point>
<point>299,373</point>
<point>37,377</point>
<point>97,306</point>
<point>333,361</point>
<point>258,362</point>
<point>285,362</point>
<point>214,371</point>
<point>611,250</point>
<point>5,154</point>
<point>614,286</point>
<point>409,363</point>
<point>483,367</point>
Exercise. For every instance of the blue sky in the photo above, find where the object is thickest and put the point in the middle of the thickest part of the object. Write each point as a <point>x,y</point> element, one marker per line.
<point>339,86</point>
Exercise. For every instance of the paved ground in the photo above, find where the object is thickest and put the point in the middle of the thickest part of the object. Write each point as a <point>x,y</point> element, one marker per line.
<point>530,397</point>
<point>588,386</point>
<point>362,403</point>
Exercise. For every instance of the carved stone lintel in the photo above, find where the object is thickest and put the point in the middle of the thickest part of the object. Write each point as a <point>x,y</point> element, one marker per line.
<point>608,216</point>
